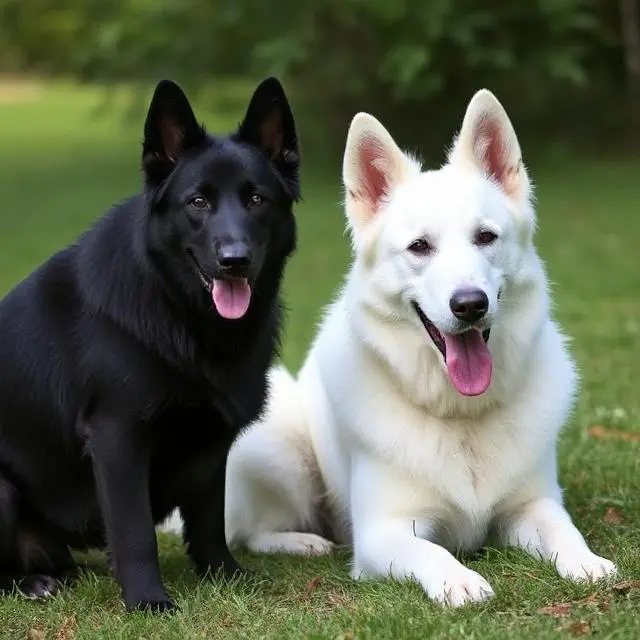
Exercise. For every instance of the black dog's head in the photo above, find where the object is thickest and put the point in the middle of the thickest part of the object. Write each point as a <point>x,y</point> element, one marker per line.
<point>220,208</point>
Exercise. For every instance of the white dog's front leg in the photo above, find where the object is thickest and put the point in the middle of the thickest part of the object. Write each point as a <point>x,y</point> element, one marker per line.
<point>389,549</point>
<point>385,544</point>
<point>544,529</point>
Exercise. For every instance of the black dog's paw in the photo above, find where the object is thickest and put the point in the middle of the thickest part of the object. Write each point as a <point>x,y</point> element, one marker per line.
<point>226,570</point>
<point>231,569</point>
<point>155,605</point>
<point>36,586</point>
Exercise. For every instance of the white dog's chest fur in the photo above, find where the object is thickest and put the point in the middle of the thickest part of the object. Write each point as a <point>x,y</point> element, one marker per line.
<point>455,492</point>
<point>450,481</point>
<point>451,477</point>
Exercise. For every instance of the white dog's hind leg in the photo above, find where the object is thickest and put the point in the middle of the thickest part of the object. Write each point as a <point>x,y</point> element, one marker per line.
<point>273,487</point>
<point>544,529</point>
<point>271,496</point>
<point>293,542</point>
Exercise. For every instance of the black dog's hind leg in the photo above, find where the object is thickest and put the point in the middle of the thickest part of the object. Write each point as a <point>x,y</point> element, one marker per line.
<point>35,566</point>
<point>121,465</point>
<point>30,560</point>
<point>44,578</point>
<point>203,517</point>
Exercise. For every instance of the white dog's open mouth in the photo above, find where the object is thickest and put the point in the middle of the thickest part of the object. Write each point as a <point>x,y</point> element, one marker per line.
<point>467,356</point>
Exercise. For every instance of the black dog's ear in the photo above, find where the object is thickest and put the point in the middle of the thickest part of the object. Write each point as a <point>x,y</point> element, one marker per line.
<point>269,125</point>
<point>169,131</point>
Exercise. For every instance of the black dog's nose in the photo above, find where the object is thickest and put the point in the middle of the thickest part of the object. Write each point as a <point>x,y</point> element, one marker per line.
<point>469,304</point>
<point>235,258</point>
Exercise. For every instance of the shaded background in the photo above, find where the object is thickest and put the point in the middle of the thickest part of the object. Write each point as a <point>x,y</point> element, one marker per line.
<point>568,68</point>
<point>76,77</point>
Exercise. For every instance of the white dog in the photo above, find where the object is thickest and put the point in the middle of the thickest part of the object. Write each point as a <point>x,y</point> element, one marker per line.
<point>426,415</point>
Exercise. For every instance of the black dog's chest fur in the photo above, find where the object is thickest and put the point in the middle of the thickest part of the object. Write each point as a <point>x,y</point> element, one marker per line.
<point>190,403</point>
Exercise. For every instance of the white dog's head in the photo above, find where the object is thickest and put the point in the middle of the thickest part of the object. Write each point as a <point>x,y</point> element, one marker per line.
<point>442,243</point>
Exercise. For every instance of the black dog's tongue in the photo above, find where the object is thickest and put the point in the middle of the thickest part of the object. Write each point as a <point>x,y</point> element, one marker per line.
<point>231,297</point>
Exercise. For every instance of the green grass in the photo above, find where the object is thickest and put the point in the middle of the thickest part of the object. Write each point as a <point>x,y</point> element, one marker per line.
<point>61,166</point>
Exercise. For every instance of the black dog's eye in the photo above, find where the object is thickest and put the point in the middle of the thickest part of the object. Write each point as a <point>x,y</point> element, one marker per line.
<point>256,200</point>
<point>484,238</point>
<point>198,203</point>
<point>420,247</point>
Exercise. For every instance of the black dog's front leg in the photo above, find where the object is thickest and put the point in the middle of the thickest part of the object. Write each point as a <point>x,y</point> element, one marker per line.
<point>203,517</point>
<point>121,460</point>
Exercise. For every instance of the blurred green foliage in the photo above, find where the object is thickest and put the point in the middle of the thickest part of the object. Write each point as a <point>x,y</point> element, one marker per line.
<point>391,57</point>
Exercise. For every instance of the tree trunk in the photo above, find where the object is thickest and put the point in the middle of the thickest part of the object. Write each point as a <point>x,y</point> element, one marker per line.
<point>630,17</point>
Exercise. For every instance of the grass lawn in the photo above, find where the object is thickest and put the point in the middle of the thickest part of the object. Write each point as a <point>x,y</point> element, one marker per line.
<point>61,166</point>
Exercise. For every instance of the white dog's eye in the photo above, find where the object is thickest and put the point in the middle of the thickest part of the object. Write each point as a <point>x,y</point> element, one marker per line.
<point>420,247</point>
<point>484,238</point>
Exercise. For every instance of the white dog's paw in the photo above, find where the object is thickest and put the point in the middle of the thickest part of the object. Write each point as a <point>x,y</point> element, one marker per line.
<point>585,567</point>
<point>292,542</point>
<point>459,587</point>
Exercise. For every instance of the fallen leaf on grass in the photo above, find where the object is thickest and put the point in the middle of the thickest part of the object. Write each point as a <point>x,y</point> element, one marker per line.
<point>603,605</point>
<point>68,629</point>
<point>600,432</point>
<point>225,622</point>
<point>625,586</point>
<point>337,601</point>
<point>613,516</point>
<point>581,628</point>
<point>558,610</point>
<point>564,609</point>
<point>312,585</point>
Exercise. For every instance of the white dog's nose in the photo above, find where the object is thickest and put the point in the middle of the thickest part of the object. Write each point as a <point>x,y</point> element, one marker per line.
<point>469,305</point>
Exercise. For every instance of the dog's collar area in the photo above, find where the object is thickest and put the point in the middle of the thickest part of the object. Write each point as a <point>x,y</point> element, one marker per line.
<point>435,334</point>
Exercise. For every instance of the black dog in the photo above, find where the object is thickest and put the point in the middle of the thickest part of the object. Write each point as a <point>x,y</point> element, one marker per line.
<point>131,359</point>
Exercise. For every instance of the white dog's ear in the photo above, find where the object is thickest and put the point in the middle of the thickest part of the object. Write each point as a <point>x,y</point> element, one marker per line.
<point>373,165</point>
<point>487,141</point>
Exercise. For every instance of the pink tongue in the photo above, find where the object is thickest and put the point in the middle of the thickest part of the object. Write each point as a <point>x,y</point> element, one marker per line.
<point>469,362</point>
<point>231,297</point>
